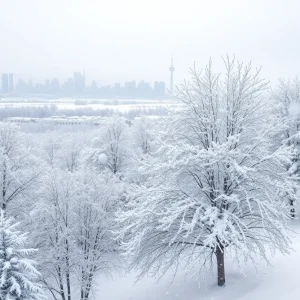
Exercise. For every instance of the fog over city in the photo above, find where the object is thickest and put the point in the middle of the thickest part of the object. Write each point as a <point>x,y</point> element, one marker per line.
<point>118,41</point>
<point>149,150</point>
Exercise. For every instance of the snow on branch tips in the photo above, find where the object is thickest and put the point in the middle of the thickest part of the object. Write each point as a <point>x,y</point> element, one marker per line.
<point>18,275</point>
<point>216,186</point>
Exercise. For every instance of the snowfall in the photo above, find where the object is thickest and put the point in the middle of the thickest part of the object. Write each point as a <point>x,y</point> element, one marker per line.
<point>280,281</point>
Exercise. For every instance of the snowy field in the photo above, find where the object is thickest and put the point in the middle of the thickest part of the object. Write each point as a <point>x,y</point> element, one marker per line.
<point>74,103</point>
<point>276,282</point>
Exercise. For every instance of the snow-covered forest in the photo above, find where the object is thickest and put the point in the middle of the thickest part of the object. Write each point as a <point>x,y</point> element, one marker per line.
<point>185,196</point>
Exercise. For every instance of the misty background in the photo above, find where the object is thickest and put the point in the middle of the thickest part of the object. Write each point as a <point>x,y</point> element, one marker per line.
<point>129,189</point>
<point>115,41</point>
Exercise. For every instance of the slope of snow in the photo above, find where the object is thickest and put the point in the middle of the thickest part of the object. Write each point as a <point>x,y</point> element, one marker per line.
<point>278,282</point>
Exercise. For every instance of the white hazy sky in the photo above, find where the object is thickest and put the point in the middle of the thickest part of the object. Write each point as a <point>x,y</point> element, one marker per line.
<point>118,40</point>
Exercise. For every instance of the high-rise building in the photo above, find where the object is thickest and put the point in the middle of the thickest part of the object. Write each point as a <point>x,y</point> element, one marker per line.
<point>117,90</point>
<point>79,82</point>
<point>129,88</point>
<point>159,89</point>
<point>21,86</point>
<point>144,89</point>
<point>68,87</point>
<point>10,82</point>
<point>172,69</point>
<point>54,86</point>
<point>5,85</point>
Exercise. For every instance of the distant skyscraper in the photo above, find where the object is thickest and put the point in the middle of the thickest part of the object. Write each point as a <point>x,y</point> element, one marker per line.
<point>159,89</point>
<point>68,87</point>
<point>144,89</point>
<point>54,86</point>
<point>129,88</point>
<point>11,82</point>
<point>172,69</point>
<point>79,82</point>
<point>5,85</point>
<point>94,87</point>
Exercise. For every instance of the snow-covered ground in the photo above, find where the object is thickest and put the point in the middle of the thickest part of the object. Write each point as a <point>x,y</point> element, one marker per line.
<point>71,103</point>
<point>277,282</point>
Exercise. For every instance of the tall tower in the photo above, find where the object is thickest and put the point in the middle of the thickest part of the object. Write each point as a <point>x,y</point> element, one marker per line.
<point>172,69</point>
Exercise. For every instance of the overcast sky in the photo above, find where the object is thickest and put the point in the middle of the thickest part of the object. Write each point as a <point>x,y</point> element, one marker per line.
<point>119,40</point>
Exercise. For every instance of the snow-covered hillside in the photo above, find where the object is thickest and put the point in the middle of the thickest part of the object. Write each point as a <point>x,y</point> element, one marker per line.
<point>276,282</point>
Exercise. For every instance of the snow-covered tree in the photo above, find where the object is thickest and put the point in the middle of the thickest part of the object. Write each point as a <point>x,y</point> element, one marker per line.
<point>95,209</point>
<point>70,152</point>
<point>51,146</point>
<point>18,275</point>
<point>19,169</point>
<point>287,107</point>
<point>52,230</point>
<point>109,149</point>
<point>215,185</point>
<point>143,134</point>
<point>72,226</point>
<point>143,137</point>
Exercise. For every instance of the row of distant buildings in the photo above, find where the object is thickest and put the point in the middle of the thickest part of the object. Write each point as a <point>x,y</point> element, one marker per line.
<point>76,87</point>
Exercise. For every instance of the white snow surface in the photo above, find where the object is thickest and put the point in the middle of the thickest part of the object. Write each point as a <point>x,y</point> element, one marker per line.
<point>277,282</point>
<point>102,159</point>
<point>294,109</point>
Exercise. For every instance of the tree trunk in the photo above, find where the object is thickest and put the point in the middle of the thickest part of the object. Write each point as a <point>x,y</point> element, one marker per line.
<point>3,206</point>
<point>68,279</point>
<point>220,264</point>
<point>292,210</point>
<point>61,285</point>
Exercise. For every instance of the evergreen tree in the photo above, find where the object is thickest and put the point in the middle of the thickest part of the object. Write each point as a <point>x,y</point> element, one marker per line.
<point>18,275</point>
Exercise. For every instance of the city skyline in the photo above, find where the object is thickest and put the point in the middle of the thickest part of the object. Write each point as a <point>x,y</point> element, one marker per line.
<point>117,41</point>
<point>78,86</point>
<point>100,79</point>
